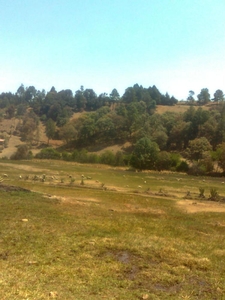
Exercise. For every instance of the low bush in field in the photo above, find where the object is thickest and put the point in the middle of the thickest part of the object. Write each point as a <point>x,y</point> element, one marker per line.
<point>22,152</point>
<point>48,153</point>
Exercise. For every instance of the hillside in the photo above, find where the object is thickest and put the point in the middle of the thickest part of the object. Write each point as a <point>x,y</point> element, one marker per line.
<point>111,133</point>
<point>8,126</point>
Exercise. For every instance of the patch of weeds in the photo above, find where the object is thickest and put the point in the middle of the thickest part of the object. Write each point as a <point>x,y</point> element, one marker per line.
<point>72,180</point>
<point>188,195</point>
<point>201,193</point>
<point>214,196</point>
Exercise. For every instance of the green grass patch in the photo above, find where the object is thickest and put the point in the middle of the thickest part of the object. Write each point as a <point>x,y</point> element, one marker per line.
<point>68,241</point>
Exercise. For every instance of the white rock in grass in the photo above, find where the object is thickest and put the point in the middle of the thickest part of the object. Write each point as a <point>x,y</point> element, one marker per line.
<point>53,295</point>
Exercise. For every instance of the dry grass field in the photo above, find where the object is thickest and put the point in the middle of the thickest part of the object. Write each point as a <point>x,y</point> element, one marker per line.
<point>180,108</point>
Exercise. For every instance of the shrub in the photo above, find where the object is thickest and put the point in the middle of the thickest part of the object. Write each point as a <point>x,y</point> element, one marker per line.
<point>119,158</point>
<point>182,167</point>
<point>197,169</point>
<point>66,156</point>
<point>201,192</point>
<point>93,158</point>
<point>108,158</point>
<point>75,155</point>
<point>83,156</point>
<point>22,152</point>
<point>48,153</point>
<point>145,155</point>
<point>213,194</point>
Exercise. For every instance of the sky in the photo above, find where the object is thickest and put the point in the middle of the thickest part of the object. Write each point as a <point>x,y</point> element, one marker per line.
<point>177,45</point>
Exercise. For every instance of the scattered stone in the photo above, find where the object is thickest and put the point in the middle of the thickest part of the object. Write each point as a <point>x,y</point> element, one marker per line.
<point>32,262</point>
<point>53,295</point>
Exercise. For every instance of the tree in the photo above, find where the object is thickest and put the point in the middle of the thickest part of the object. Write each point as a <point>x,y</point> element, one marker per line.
<point>114,96</point>
<point>204,97</point>
<point>179,135</point>
<point>218,96</point>
<point>22,152</point>
<point>91,99</point>
<point>190,97</point>
<point>68,133</point>
<point>197,119</point>
<point>220,156</point>
<point>50,129</point>
<point>164,161</point>
<point>80,100</point>
<point>53,90</point>
<point>21,93</point>
<point>21,109</point>
<point>54,111</point>
<point>155,94</point>
<point>129,95</point>
<point>30,93</point>
<point>145,154</point>
<point>10,111</point>
<point>197,148</point>
<point>160,137</point>
<point>29,127</point>
<point>87,128</point>
<point>105,128</point>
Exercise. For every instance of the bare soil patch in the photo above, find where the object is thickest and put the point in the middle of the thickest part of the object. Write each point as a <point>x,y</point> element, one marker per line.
<point>24,167</point>
<point>11,188</point>
<point>14,142</point>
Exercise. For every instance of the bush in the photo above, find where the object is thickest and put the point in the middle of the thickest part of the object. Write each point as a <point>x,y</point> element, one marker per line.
<point>164,161</point>
<point>75,155</point>
<point>201,192</point>
<point>119,159</point>
<point>22,152</point>
<point>145,155</point>
<point>83,156</point>
<point>93,158</point>
<point>196,169</point>
<point>108,158</point>
<point>182,167</point>
<point>48,153</point>
<point>175,159</point>
<point>213,194</point>
<point>66,156</point>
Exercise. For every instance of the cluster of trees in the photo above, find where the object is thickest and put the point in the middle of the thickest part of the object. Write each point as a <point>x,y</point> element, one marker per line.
<point>204,97</point>
<point>198,134</point>
<point>146,155</point>
<point>59,106</point>
<point>171,131</point>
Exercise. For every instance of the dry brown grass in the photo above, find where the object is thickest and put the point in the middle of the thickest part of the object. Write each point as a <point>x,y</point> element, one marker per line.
<point>179,108</point>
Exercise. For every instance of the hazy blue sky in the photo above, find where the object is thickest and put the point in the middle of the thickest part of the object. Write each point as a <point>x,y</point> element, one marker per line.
<point>177,45</point>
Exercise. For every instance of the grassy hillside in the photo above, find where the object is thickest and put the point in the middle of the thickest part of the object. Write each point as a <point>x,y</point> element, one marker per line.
<point>119,235</point>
